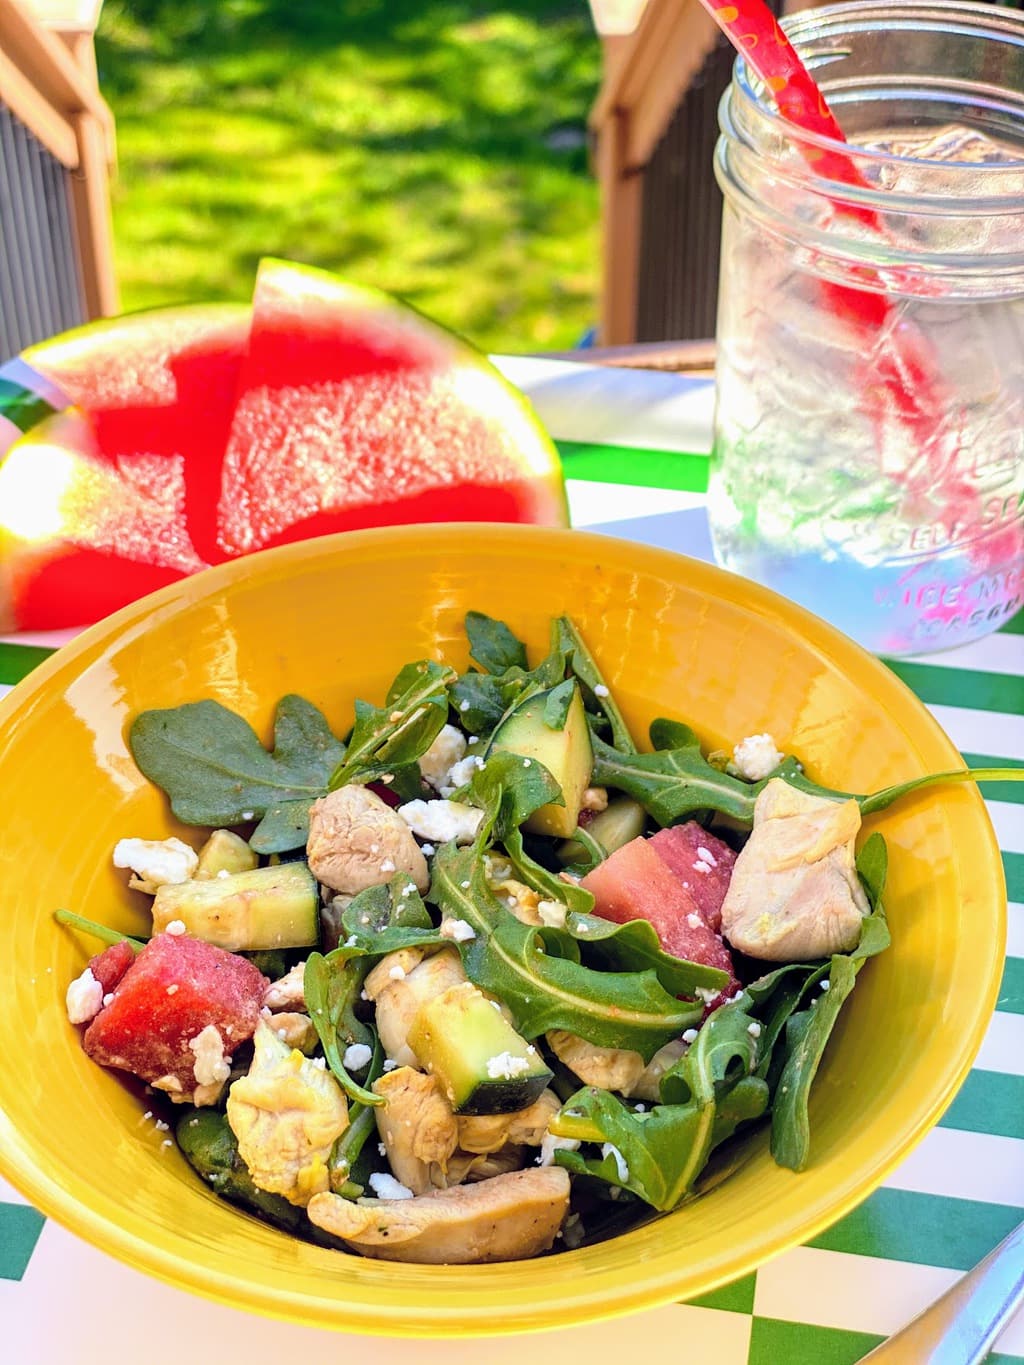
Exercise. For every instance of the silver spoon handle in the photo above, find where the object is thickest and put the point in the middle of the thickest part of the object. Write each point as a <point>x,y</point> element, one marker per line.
<point>961,1327</point>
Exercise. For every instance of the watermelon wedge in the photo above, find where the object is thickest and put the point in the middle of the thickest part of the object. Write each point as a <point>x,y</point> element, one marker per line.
<point>353,412</point>
<point>201,433</point>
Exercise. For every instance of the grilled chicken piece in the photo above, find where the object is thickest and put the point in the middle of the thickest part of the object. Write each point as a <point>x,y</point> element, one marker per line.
<point>417,1127</point>
<point>507,1218</point>
<point>287,992</point>
<point>615,1068</point>
<point>470,1166</point>
<point>402,982</point>
<point>524,1127</point>
<point>795,894</point>
<point>286,1113</point>
<point>356,841</point>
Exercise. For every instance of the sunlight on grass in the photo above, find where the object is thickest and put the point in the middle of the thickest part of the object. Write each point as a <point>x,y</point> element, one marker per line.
<point>435,150</point>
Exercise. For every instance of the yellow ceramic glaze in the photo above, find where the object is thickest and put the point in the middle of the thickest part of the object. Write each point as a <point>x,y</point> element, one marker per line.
<point>333,619</point>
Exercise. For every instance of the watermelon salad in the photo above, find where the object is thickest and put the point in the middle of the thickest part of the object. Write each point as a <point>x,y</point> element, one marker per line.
<point>140,449</point>
<point>485,980</point>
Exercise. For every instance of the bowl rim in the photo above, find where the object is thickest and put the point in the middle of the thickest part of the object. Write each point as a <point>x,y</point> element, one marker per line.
<point>586,1303</point>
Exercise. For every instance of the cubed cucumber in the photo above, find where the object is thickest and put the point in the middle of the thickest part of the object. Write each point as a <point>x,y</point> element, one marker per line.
<point>224,852</point>
<point>268,907</point>
<point>483,1064</point>
<point>566,753</point>
<point>622,820</point>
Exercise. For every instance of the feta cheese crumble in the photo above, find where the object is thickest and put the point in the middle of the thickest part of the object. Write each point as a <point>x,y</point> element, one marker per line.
<point>600,690</point>
<point>84,998</point>
<point>211,1066</point>
<point>442,821</point>
<point>156,862</point>
<point>357,1056</point>
<point>505,1067</point>
<point>386,1186</point>
<point>550,1144</point>
<point>552,914</point>
<point>448,748</point>
<point>690,1036</point>
<point>460,773</point>
<point>754,1029</point>
<point>755,757</point>
<point>458,929</point>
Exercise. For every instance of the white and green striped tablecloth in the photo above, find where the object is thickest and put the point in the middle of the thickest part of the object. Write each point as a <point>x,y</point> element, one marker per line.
<point>634,446</point>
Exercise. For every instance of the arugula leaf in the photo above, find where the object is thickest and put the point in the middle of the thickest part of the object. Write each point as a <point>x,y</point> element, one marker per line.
<point>512,961</point>
<point>492,644</point>
<point>510,789</point>
<point>361,1124</point>
<point>397,734</point>
<point>808,1031</point>
<point>98,931</point>
<point>805,1037</point>
<point>547,884</point>
<point>481,700</point>
<point>673,783</point>
<point>284,826</point>
<point>881,800</point>
<point>557,703</point>
<point>216,772</point>
<point>635,946</point>
<point>660,1152</point>
<point>587,853</point>
<point>596,693</point>
<point>331,986</point>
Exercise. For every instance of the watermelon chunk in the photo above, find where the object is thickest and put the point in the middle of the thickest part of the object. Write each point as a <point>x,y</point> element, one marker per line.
<point>635,882</point>
<point>355,411</point>
<point>702,863</point>
<point>170,993</point>
<point>109,966</point>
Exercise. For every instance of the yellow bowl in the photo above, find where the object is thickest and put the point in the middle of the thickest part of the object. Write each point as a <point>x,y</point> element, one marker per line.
<point>333,619</point>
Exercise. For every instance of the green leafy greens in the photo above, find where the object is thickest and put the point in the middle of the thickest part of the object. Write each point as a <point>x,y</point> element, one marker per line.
<point>759,1051</point>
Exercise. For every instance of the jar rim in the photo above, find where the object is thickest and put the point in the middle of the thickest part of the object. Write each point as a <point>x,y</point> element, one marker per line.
<point>803,28</point>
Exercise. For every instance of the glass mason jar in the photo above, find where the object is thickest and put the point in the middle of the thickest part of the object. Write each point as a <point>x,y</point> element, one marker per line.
<point>868,456</point>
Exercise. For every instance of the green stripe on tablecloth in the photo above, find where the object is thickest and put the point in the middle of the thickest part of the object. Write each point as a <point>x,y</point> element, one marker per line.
<point>17,661</point>
<point>20,1227</point>
<point>795,1343</point>
<point>1011,991</point>
<point>998,791</point>
<point>988,1102</point>
<point>737,1297</point>
<point>1014,627</point>
<point>923,1229</point>
<point>962,687</point>
<point>634,465</point>
<point>21,406</point>
<point>1013,866</point>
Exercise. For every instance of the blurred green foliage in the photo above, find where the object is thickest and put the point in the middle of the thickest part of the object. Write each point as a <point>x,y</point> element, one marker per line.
<point>437,150</point>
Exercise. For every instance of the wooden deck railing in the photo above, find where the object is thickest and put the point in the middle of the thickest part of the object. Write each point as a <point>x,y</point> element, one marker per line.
<point>56,151</point>
<point>655,127</point>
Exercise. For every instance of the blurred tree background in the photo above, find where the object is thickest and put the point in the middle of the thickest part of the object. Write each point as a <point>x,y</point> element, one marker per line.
<point>433,148</point>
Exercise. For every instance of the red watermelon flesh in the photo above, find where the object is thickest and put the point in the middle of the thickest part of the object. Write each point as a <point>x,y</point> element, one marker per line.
<point>109,966</point>
<point>352,413</point>
<point>189,446</point>
<point>702,863</point>
<point>159,390</point>
<point>634,882</point>
<point>175,987</point>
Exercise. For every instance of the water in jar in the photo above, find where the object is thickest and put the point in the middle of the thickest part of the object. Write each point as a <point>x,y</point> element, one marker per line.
<point>906,532</point>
